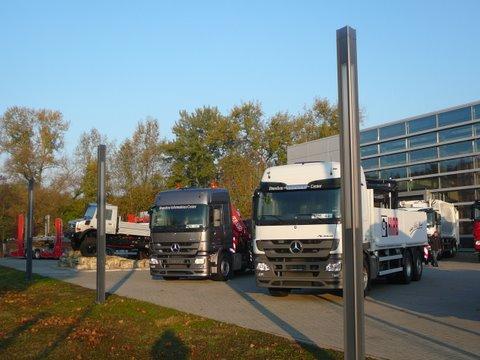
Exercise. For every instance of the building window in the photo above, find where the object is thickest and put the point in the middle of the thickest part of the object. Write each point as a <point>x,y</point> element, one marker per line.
<point>463,179</point>
<point>423,154</point>
<point>394,159</point>
<point>466,228</point>
<point>458,196</point>
<point>456,164</point>
<point>394,173</point>
<point>372,175</point>
<point>456,149</point>
<point>425,123</point>
<point>422,184</point>
<point>454,116</point>
<point>388,132</point>
<point>455,133</point>
<point>476,129</point>
<point>476,111</point>
<point>368,150</point>
<point>464,211</point>
<point>392,146</point>
<point>402,185</point>
<point>368,136</point>
<point>423,169</point>
<point>424,139</point>
<point>370,163</point>
<point>477,145</point>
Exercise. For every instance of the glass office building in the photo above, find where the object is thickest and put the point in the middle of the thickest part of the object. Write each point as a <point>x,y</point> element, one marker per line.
<point>438,152</point>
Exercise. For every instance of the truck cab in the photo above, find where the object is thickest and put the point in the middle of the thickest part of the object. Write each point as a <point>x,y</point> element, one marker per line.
<point>191,231</point>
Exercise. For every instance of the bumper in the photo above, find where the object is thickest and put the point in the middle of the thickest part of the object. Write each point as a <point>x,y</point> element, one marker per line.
<point>181,267</point>
<point>297,278</point>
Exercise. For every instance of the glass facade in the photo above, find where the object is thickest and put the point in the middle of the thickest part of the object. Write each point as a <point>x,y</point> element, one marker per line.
<point>439,152</point>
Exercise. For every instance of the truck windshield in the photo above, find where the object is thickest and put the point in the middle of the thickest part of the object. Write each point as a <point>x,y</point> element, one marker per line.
<point>430,219</point>
<point>179,217</point>
<point>308,206</point>
<point>90,212</point>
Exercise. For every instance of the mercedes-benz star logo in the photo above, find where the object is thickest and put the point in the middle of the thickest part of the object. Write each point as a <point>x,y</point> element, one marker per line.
<point>175,247</point>
<point>295,247</point>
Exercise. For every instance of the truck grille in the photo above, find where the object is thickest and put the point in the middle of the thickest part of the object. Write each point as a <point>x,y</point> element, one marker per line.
<point>297,258</point>
<point>167,248</point>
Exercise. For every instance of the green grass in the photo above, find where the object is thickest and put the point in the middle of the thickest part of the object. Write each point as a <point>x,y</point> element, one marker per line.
<point>56,320</point>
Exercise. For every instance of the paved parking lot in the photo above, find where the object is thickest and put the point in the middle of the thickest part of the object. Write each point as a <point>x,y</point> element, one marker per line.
<point>436,318</point>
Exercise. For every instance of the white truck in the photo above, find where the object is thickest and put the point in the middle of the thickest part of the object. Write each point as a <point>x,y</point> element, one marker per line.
<point>442,220</point>
<point>122,237</point>
<point>298,234</point>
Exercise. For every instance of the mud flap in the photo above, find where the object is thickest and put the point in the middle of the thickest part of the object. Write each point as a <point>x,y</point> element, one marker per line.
<point>237,261</point>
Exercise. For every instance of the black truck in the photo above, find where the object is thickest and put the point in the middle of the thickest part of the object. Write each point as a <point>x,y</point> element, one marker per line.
<point>196,232</point>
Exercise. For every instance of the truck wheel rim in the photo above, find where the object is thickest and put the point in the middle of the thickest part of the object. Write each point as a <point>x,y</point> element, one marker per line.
<point>365,279</point>
<point>419,266</point>
<point>408,268</point>
<point>225,268</point>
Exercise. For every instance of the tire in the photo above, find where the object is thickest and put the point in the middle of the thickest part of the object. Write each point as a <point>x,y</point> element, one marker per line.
<point>36,254</point>
<point>224,267</point>
<point>366,277</point>
<point>279,292</point>
<point>417,266</point>
<point>168,278</point>
<point>88,247</point>
<point>407,272</point>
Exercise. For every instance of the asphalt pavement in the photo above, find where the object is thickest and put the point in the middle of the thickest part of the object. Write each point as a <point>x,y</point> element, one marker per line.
<point>435,318</point>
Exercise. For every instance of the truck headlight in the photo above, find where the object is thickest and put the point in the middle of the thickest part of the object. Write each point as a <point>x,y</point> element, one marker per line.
<point>200,261</point>
<point>263,267</point>
<point>334,266</point>
<point>153,261</point>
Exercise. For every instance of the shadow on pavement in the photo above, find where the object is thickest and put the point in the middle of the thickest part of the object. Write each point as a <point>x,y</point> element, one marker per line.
<point>410,332</point>
<point>169,346</point>
<point>242,288</point>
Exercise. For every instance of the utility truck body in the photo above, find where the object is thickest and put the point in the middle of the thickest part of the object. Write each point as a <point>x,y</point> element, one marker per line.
<point>298,232</point>
<point>198,233</point>
<point>442,221</point>
<point>122,237</point>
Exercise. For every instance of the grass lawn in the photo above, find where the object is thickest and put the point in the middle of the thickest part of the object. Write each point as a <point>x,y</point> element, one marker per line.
<point>53,319</point>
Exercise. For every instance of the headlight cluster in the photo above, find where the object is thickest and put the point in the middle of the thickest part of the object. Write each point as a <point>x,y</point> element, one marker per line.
<point>153,261</point>
<point>334,266</point>
<point>262,267</point>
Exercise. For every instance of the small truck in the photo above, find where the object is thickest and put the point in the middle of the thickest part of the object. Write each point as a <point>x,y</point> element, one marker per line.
<point>122,237</point>
<point>298,233</point>
<point>442,220</point>
<point>196,232</point>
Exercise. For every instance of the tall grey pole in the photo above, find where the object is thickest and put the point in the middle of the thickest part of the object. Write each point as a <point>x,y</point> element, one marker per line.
<point>29,252</point>
<point>101,224</point>
<point>353,313</point>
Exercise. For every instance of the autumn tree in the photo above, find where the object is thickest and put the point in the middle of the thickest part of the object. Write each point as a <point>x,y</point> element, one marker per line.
<point>32,140</point>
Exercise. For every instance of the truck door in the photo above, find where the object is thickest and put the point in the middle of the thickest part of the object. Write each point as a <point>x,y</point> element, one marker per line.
<point>217,226</point>
<point>110,221</point>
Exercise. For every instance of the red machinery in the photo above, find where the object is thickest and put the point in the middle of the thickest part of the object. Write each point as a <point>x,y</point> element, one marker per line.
<point>57,250</point>
<point>476,226</point>
<point>240,232</point>
<point>20,252</point>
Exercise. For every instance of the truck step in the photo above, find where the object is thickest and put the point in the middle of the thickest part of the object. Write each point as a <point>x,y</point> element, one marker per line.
<point>390,257</point>
<point>390,271</point>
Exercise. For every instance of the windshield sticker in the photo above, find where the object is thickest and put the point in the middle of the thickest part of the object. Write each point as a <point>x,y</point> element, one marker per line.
<point>322,216</point>
<point>177,207</point>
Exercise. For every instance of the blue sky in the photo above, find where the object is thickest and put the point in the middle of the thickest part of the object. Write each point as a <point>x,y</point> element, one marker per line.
<point>108,64</point>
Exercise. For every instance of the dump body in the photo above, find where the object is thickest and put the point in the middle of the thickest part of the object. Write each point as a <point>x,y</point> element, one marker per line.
<point>298,235</point>
<point>122,237</point>
<point>192,232</point>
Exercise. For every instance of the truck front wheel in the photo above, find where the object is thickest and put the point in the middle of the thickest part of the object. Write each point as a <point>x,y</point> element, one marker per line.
<point>406,274</point>
<point>224,268</point>
<point>88,247</point>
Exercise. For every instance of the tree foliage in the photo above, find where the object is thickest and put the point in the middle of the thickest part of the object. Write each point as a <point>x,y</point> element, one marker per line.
<point>32,139</point>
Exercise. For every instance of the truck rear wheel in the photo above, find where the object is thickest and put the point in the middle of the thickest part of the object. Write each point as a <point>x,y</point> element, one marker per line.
<point>224,267</point>
<point>279,292</point>
<point>407,272</point>
<point>366,277</point>
<point>88,247</point>
<point>417,265</point>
